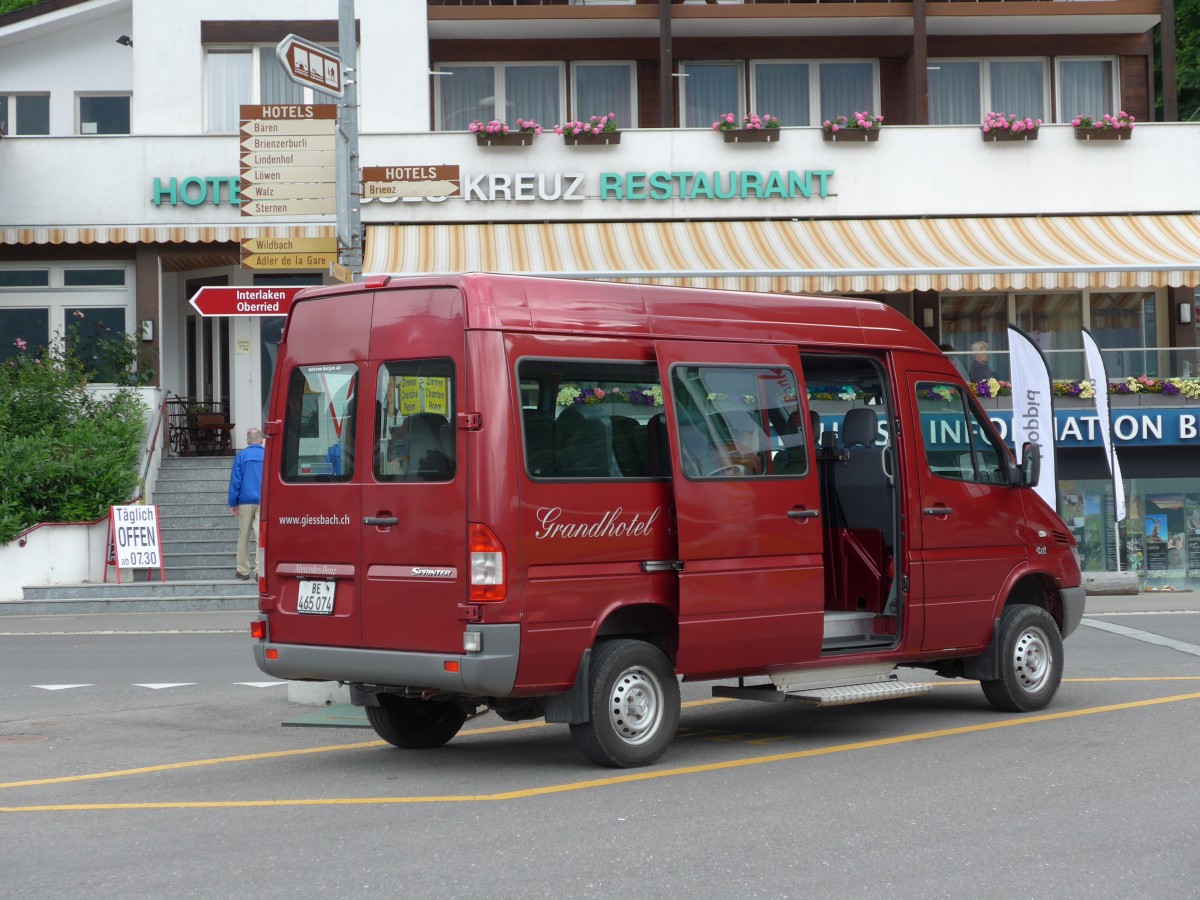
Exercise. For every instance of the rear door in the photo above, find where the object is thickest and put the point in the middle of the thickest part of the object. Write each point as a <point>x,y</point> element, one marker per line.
<point>412,524</point>
<point>970,537</point>
<point>311,476</point>
<point>747,504</point>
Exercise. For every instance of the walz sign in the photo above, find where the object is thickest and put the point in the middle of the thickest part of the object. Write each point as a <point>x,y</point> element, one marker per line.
<point>311,65</point>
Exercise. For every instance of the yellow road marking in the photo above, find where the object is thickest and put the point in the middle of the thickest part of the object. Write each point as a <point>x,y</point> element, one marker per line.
<point>279,754</point>
<point>627,778</point>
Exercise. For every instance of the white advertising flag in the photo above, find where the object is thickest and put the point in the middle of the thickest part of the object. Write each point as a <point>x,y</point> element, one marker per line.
<point>1033,407</point>
<point>1099,379</point>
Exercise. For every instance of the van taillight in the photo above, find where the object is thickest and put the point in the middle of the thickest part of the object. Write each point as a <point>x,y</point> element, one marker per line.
<point>258,630</point>
<point>487,566</point>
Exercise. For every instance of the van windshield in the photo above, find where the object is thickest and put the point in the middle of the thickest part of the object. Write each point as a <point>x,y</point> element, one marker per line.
<point>318,426</point>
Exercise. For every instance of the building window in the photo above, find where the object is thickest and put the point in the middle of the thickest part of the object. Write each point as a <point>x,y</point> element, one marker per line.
<point>99,114</point>
<point>954,91</point>
<point>93,278</point>
<point>506,91</point>
<point>709,89</point>
<point>598,89</point>
<point>794,91</point>
<point>28,326</point>
<point>1122,323</point>
<point>1055,322</point>
<point>968,319</point>
<point>24,278</point>
<point>847,88</point>
<point>1086,87</point>
<point>959,89</point>
<point>237,76</point>
<point>27,114</point>
<point>782,90</point>
<point>96,336</point>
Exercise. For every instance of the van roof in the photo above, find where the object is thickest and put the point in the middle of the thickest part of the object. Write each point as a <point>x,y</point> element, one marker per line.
<point>536,303</point>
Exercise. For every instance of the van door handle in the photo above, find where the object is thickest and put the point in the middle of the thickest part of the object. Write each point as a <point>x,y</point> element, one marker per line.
<point>937,510</point>
<point>381,520</point>
<point>803,513</point>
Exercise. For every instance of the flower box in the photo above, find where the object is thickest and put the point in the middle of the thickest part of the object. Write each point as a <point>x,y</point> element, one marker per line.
<point>843,135</point>
<point>999,135</point>
<point>602,137</point>
<point>1102,134</point>
<point>512,139</point>
<point>751,135</point>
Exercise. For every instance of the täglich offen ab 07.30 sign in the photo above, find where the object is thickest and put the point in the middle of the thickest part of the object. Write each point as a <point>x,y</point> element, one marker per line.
<point>134,540</point>
<point>288,160</point>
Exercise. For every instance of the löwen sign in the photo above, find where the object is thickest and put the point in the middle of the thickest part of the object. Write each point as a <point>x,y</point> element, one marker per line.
<point>244,301</point>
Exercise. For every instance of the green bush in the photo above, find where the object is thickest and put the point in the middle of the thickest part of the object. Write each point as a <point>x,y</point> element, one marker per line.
<point>65,454</point>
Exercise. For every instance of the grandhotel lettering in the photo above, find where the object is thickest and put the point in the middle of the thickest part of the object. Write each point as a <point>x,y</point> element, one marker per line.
<point>196,190</point>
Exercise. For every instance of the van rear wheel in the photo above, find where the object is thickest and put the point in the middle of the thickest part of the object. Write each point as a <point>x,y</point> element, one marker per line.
<point>633,701</point>
<point>415,724</point>
<point>1031,660</point>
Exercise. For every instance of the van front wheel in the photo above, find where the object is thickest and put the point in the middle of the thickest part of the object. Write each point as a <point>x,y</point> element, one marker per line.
<point>415,724</point>
<point>633,699</point>
<point>1031,660</point>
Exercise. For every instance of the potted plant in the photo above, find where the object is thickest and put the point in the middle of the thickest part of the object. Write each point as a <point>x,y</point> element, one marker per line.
<point>596,130</point>
<point>497,134</point>
<point>755,128</point>
<point>1106,128</point>
<point>862,127</point>
<point>1001,127</point>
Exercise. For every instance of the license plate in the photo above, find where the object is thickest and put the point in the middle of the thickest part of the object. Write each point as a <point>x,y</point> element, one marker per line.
<point>316,598</point>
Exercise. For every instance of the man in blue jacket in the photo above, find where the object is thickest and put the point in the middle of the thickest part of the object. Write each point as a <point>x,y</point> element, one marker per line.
<point>245,493</point>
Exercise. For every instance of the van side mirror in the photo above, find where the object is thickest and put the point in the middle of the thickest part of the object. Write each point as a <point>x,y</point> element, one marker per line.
<point>1030,468</point>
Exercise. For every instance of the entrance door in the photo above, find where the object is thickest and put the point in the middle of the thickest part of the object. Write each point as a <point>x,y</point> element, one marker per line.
<point>747,506</point>
<point>413,526</point>
<point>970,538</point>
<point>207,344</point>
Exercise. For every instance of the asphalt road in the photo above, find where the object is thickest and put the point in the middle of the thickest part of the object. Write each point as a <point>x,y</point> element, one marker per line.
<point>143,756</point>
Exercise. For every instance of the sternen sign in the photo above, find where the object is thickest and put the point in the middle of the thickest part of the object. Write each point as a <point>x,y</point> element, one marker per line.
<point>244,301</point>
<point>286,207</point>
<point>310,64</point>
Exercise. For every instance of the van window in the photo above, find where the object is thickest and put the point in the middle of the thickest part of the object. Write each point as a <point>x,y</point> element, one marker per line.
<point>587,419</point>
<point>415,435</point>
<point>959,443</point>
<point>738,421</point>
<point>318,427</point>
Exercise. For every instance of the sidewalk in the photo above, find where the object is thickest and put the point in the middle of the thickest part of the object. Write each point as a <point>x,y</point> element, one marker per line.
<point>1154,601</point>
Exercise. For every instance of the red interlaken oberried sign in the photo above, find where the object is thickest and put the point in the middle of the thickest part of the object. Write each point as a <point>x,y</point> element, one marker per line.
<point>244,301</point>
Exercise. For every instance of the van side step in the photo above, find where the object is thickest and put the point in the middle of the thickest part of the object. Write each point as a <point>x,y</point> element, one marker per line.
<point>842,695</point>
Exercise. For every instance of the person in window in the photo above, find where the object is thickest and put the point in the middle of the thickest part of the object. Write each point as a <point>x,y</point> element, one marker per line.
<point>980,370</point>
<point>948,349</point>
<point>334,459</point>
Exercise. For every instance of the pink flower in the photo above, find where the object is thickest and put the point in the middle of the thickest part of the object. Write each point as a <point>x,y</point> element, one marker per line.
<point>20,344</point>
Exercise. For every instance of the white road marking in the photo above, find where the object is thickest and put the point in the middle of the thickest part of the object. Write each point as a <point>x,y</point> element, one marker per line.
<point>60,687</point>
<point>1145,636</point>
<point>78,633</point>
<point>260,683</point>
<point>166,684</point>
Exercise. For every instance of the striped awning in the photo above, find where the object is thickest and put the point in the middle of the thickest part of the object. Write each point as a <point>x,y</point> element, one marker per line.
<point>157,234</point>
<point>814,256</point>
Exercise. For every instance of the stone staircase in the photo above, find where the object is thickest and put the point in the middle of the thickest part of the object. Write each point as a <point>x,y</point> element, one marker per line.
<point>199,542</point>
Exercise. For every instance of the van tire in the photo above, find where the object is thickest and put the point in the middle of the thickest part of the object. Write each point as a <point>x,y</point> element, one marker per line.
<point>633,701</point>
<point>1031,660</point>
<point>415,724</point>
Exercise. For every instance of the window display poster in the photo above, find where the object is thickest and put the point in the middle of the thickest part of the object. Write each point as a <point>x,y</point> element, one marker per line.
<point>1193,515</point>
<point>1156,528</point>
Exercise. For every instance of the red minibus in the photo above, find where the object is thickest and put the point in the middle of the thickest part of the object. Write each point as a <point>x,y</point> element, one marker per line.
<point>556,498</point>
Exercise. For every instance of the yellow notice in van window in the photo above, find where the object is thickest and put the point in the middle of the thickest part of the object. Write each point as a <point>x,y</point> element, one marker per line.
<point>435,396</point>
<point>410,395</point>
